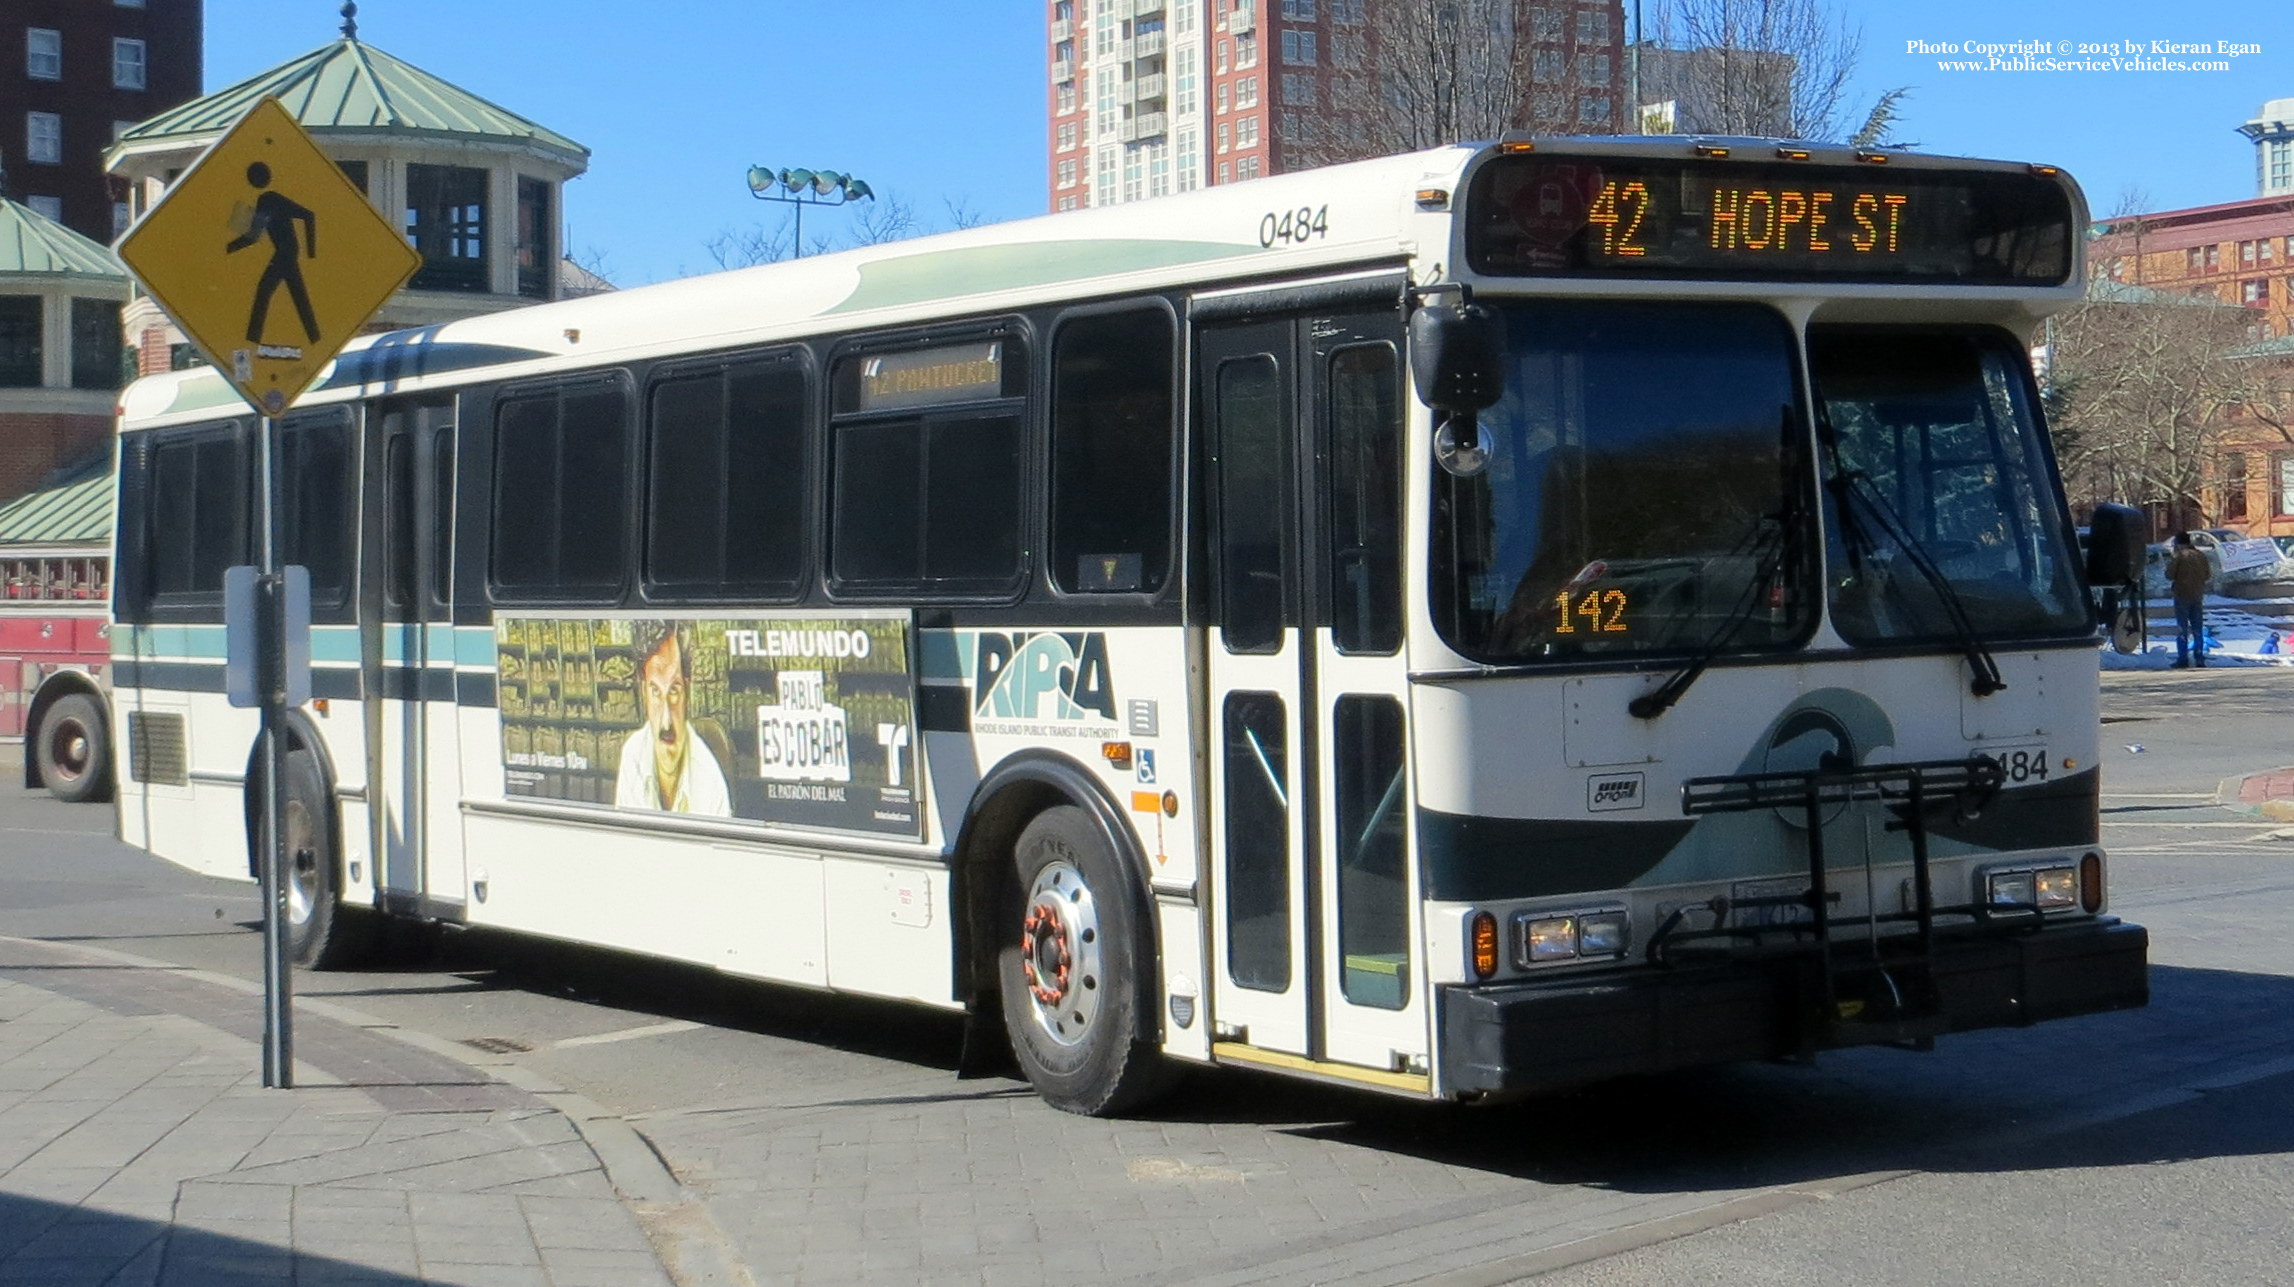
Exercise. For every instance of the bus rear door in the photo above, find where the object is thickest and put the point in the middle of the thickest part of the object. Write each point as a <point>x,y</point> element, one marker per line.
<point>409,658</point>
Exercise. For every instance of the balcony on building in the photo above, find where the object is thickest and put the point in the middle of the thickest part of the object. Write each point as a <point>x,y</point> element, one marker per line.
<point>1242,20</point>
<point>1062,29</point>
<point>1148,88</point>
<point>1147,44</point>
<point>1146,8</point>
<point>1145,126</point>
<point>1063,71</point>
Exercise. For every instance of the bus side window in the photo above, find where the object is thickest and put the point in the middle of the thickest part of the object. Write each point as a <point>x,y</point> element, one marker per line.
<point>1111,436</point>
<point>561,469</point>
<point>725,487</point>
<point>315,505</point>
<point>199,514</point>
<point>927,470</point>
<point>1366,499</point>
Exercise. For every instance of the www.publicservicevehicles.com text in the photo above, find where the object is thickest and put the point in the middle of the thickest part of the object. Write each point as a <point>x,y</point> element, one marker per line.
<point>2084,55</point>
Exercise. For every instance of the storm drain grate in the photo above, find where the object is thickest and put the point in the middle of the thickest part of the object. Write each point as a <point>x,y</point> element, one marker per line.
<point>498,1045</point>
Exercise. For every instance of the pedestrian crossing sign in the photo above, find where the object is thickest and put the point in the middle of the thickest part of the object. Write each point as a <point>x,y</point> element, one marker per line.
<point>268,257</point>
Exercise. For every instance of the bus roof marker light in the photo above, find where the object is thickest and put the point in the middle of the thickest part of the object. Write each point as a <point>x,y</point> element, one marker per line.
<point>1711,149</point>
<point>1872,158</point>
<point>1433,198</point>
<point>1516,147</point>
<point>1792,153</point>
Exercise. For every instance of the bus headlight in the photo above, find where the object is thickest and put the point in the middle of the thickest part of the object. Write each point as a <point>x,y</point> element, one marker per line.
<point>1552,939</point>
<point>2050,889</point>
<point>1601,935</point>
<point>1541,938</point>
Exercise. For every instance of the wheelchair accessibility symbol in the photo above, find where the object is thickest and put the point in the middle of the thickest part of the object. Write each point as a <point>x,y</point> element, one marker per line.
<point>1146,767</point>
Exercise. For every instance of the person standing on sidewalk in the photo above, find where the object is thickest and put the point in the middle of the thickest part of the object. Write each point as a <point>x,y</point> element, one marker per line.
<point>2188,573</point>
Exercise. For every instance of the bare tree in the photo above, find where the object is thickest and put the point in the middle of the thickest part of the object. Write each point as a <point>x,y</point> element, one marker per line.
<point>882,219</point>
<point>886,217</point>
<point>961,213</point>
<point>1445,70</point>
<point>1761,67</point>
<point>1414,74</point>
<point>2141,392</point>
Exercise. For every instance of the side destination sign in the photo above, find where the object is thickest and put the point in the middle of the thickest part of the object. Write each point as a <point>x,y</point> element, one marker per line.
<point>802,720</point>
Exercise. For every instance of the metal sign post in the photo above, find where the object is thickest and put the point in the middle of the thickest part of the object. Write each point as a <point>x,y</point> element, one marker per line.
<point>270,681</point>
<point>270,260</point>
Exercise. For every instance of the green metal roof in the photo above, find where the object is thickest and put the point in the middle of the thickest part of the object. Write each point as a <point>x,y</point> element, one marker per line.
<point>79,508</point>
<point>31,243</point>
<point>351,86</point>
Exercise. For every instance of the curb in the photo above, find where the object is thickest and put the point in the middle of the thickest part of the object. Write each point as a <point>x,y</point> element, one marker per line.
<point>693,1250</point>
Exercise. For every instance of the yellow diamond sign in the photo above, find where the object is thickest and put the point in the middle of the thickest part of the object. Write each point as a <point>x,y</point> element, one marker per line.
<point>268,257</point>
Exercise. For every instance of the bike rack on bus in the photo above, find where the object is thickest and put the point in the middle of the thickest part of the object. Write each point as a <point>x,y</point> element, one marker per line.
<point>1889,990</point>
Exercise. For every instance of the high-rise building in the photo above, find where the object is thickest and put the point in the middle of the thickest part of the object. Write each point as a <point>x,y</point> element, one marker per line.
<point>1148,97</point>
<point>2272,130</point>
<point>73,75</point>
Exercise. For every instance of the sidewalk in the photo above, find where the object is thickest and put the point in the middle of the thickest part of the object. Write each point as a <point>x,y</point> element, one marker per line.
<point>2260,795</point>
<point>138,1147</point>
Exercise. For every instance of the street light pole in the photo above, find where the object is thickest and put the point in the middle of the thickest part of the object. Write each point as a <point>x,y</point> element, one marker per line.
<point>801,188</point>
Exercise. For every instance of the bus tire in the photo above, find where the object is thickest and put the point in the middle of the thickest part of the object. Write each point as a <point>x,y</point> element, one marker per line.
<point>322,933</point>
<point>74,751</point>
<point>1074,968</point>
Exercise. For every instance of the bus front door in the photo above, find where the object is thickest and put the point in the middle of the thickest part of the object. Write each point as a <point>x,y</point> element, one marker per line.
<point>1313,918</point>
<point>409,657</point>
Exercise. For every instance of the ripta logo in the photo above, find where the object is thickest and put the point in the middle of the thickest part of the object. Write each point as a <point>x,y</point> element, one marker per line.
<point>1043,677</point>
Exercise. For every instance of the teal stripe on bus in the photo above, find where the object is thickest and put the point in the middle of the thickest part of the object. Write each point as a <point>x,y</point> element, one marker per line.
<point>944,655</point>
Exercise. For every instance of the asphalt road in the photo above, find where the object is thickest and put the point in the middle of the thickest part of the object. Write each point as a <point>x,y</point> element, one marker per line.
<point>832,1141</point>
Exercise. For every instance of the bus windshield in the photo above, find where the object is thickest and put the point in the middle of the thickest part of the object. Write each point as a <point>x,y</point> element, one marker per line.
<point>1940,500</point>
<point>1644,495</point>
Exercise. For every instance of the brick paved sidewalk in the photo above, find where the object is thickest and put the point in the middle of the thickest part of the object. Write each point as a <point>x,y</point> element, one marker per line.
<point>138,1147</point>
<point>2263,795</point>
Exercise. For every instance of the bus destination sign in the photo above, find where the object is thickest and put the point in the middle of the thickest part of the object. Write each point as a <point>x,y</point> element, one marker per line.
<point>1791,221</point>
<point>932,377</point>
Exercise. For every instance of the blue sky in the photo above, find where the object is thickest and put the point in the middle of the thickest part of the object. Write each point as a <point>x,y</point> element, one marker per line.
<point>935,99</point>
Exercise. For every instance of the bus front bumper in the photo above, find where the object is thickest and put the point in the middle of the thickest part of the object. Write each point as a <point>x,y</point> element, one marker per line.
<point>1548,1034</point>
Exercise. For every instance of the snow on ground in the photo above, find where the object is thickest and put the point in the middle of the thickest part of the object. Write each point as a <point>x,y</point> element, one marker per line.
<point>2240,638</point>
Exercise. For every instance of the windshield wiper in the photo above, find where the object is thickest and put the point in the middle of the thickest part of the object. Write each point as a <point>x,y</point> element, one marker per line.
<point>1852,487</point>
<point>1771,542</point>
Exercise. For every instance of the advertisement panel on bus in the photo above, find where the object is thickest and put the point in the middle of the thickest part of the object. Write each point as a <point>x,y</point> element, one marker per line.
<point>804,720</point>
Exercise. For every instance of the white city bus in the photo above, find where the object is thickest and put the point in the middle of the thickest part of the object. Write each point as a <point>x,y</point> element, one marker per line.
<point>1460,624</point>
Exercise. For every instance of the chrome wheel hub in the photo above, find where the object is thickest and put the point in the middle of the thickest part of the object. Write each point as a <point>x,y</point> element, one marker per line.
<point>301,865</point>
<point>1061,953</point>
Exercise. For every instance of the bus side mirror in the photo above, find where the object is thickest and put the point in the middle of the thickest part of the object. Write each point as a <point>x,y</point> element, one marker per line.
<point>2115,544</point>
<point>1457,365</point>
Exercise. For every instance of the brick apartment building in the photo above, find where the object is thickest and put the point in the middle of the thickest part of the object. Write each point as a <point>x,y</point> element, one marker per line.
<point>73,74</point>
<point>1149,97</point>
<point>2237,253</point>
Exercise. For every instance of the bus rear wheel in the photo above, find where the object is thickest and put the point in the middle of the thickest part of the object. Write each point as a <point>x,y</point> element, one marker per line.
<point>73,754</point>
<point>1074,971</point>
<point>322,933</point>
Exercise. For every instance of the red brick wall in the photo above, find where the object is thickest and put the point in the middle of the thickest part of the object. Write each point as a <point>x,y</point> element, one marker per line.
<point>35,444</point>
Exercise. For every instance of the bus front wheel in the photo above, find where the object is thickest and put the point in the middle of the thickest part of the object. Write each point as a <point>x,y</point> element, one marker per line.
<point>74,755</point>
<point>1072,971</point>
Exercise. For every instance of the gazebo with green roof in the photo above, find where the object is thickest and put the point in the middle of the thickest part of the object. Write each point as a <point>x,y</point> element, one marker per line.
<point>477,184</point>
<point>60,369</point>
